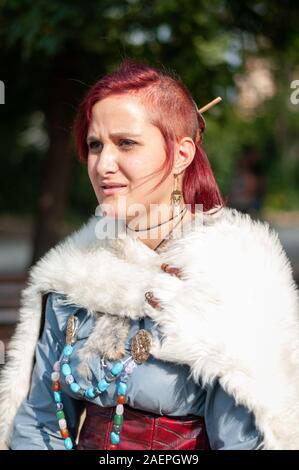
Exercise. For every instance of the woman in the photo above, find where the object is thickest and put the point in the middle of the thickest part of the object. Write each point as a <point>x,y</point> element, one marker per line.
<point>173,329</point>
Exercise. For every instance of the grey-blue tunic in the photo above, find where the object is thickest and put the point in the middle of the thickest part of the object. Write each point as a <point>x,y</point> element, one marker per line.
<point>156,386</point>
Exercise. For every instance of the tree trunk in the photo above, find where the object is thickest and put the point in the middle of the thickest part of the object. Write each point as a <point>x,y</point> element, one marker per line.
<point>57,169</point>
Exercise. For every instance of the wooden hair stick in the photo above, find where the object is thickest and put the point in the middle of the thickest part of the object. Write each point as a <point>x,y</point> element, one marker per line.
<point>210,104</point>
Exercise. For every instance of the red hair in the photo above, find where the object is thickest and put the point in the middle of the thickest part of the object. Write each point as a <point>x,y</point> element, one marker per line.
<point>171,109</point>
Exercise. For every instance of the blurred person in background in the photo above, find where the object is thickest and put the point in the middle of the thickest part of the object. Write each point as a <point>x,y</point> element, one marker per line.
<point>248,186</point>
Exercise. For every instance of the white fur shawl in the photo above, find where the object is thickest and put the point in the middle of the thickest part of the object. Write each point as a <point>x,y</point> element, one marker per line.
<point>233,315</point>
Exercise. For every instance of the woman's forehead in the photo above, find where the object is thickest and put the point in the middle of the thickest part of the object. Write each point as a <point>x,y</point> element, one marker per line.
<point>119,115</point>
<point>125,106</point>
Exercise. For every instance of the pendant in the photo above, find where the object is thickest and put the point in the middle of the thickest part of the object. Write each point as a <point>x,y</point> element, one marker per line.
<point>71,328</point>
<point>140,346</point>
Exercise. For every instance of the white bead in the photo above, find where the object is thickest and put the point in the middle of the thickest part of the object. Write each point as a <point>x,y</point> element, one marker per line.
<point>62,423</point>
<point>119,409</point>
<point>56,366</point>
<point>69,379</point>
<point>55,376</point>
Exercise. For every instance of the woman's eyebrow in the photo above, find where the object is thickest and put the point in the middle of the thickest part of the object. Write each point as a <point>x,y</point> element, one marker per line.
<point>114,134</point>
<point>129,134</point>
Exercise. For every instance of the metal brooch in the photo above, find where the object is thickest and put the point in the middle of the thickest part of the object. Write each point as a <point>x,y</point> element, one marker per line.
<point>71,328</point>
<point>140,346</point>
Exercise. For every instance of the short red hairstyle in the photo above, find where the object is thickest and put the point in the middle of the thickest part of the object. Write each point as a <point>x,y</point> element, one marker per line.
<point>171,109</point>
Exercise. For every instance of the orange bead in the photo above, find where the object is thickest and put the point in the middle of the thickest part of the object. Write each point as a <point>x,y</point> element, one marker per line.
<point>121,399</point>
<point>64,433</point>
<point>112,447</point>
<point>56,386</point>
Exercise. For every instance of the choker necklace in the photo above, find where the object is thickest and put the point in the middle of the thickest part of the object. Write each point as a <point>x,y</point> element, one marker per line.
<point>149,228</point>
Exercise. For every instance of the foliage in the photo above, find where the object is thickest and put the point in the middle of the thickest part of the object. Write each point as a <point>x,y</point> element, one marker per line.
<point>207,43</point>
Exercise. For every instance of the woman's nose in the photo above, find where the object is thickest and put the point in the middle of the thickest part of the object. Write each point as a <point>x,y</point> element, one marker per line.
<point>107,162</point>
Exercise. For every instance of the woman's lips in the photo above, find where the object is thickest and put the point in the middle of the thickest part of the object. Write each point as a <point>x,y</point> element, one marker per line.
<point>112,190</point>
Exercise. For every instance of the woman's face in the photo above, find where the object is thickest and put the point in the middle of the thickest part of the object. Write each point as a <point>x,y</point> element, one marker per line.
<point>125,148</point>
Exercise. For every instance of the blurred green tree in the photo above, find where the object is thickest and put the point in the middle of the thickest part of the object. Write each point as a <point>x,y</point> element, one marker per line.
<point>52,52</point>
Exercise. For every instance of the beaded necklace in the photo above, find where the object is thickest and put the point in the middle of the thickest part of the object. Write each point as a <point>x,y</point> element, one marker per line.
<point>120,369</point>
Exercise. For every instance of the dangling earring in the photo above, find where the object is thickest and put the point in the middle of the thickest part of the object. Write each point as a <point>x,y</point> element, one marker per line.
<point>176,197</point>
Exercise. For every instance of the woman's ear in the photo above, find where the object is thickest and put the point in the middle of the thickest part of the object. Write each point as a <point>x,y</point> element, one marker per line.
<point>184,154</point>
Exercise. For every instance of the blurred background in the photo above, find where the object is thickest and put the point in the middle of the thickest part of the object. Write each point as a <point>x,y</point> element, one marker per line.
<point>52,52</point>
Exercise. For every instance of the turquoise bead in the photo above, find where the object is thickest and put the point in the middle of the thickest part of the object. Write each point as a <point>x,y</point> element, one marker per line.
<point>75,387</point>
<point>114,438</point>
<point>66,370</point>
<point>68,349</point>
<point>117,368</point>
<point>122,388</point>
<point>103,385</point>
<point>68,443</point>
<point>89,393</point>
<point>57,397</point>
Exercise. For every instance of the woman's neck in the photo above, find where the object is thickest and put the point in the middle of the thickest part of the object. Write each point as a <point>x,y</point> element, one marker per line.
<point>152,238</point>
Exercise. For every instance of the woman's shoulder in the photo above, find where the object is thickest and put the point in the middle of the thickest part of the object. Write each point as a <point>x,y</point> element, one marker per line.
<point>232,234</point>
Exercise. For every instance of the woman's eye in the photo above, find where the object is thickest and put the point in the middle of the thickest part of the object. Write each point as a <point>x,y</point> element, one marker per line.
<point>127,143</point>
<point>94,145</point>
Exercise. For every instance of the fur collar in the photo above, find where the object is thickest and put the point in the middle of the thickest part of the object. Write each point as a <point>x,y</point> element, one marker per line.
<point>233,315</point>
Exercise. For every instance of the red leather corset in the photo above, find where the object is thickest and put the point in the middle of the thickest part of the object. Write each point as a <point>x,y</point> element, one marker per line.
<point>142,431</point>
